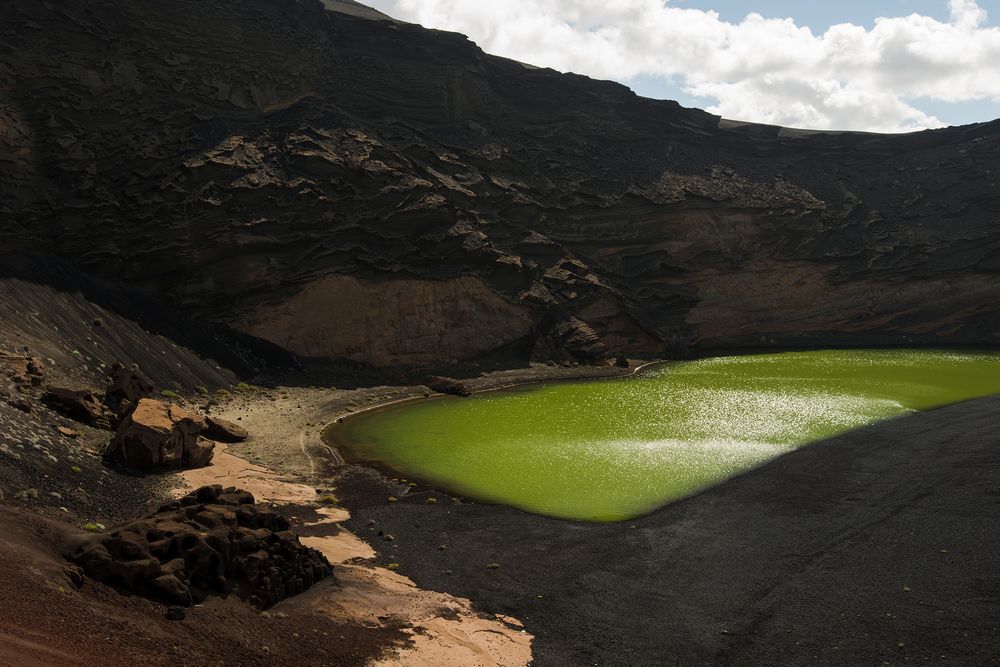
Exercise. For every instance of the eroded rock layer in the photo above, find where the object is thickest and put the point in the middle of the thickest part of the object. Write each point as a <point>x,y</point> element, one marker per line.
<point>345,185</point>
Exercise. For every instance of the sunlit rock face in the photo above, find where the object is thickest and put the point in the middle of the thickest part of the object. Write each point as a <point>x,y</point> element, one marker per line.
<point>391,322</point>
<point>235,157</point>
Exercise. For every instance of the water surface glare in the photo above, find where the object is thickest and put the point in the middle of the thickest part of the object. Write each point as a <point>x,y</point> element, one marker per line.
<point>609,450</point>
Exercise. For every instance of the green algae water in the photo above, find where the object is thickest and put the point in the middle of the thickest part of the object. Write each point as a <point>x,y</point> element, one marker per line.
<point>610,450</point>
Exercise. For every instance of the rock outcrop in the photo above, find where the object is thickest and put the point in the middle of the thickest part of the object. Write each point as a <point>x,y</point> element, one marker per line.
<point>213,541</point>
<point>83,406</point>
<point>344,185</point>
<point>157,434</point>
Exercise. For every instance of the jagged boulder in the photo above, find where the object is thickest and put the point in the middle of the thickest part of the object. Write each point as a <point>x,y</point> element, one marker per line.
<point>223,430</point>
<point>445,385</point>
<point>126,386</point>
<point>161,435</point>
<point>211,541</point>
<point>83,406</point>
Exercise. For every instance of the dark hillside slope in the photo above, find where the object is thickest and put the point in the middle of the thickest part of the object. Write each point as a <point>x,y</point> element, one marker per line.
<point>349,186</point>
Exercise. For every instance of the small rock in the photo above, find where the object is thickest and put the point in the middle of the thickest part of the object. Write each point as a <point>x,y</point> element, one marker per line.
<point>493,566</point>
<point>388,538</point>
<point>176,613</point>
<point>26,495</point>
<point>22,404</point>
<point>68,432</point>
<point>442,547</point>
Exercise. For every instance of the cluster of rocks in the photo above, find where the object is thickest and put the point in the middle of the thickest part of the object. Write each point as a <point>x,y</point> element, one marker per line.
<point>126,387</point>
<point>211,541</point>
<point>158,434</point>
<point>24,374</point>
<point>149,433</point>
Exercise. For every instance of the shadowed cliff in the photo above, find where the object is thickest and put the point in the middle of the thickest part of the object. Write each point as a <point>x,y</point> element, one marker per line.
<point>345,185</point>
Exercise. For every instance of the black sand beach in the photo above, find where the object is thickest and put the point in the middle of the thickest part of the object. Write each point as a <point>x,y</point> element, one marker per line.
<point>880,546</point>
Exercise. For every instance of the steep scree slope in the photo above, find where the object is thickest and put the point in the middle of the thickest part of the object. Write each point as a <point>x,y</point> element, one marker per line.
<point>350,186</point>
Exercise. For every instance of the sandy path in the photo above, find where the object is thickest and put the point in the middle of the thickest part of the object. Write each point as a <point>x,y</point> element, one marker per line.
<point>445,630</point>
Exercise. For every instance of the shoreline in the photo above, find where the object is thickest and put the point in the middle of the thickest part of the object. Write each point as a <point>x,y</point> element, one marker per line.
<point>439,628</point>
<point>340,419</point>
<point>843,552</point>
<point>882,523</point>
<point>735,569</point>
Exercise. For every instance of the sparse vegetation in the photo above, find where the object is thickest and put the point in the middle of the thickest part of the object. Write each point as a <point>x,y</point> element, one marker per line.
<point>169,393</point>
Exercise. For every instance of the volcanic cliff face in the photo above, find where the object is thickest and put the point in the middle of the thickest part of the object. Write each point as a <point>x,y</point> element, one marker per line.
<point>349,186</point>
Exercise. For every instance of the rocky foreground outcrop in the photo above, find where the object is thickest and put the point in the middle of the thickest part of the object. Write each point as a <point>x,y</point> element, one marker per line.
<point>348,186</point>
<point>213,541</point>
<point>157,434</point>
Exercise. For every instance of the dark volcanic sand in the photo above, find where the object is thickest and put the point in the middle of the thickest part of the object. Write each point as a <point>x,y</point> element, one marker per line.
<point>881,546</point>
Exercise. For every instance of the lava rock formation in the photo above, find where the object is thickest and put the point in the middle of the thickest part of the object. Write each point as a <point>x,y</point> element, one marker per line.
<point>211,541</point>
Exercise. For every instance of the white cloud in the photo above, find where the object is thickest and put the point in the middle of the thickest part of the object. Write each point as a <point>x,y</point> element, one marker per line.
<point>764,70</point>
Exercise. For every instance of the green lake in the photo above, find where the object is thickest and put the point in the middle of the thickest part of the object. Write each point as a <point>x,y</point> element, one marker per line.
<point>609,450</point>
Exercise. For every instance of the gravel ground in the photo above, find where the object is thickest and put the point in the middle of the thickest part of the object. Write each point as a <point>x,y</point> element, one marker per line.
<point>879,546</point>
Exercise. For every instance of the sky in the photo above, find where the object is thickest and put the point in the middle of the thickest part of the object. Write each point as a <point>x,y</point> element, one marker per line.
<point>875,65</point>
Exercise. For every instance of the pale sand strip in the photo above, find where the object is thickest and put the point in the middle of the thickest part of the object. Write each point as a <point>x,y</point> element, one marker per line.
<point>445,630</point>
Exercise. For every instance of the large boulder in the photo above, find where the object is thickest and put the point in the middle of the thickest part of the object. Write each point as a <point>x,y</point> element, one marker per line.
<point>223,430</point>
<point>211,541</point>
<point>161,435</point>
<point>83,406</point>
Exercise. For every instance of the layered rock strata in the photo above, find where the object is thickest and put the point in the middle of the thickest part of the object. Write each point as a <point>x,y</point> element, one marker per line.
<point>345,185</point>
